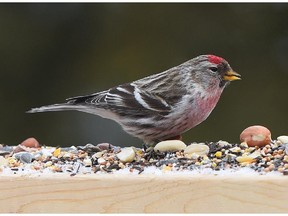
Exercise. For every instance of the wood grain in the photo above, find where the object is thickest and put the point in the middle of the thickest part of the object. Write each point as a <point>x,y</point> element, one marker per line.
<point>125,193</point>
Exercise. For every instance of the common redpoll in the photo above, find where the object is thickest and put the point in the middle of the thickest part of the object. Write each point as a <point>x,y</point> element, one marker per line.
<point>161,106</point>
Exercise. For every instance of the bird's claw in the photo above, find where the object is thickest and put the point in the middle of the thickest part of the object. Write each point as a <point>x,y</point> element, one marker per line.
<point>151,153</point>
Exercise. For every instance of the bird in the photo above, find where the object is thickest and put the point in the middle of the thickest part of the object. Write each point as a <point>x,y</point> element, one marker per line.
<point>161,106</point>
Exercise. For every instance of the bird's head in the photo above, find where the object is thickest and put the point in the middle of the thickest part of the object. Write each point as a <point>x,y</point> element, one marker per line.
<point>211,66</point>
<point>221,66</point>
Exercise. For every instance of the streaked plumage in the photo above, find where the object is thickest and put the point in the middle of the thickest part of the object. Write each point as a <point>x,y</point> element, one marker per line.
<point>160,106</point>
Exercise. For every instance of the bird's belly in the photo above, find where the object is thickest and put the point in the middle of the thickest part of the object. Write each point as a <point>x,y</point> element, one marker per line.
<point>186,120</point>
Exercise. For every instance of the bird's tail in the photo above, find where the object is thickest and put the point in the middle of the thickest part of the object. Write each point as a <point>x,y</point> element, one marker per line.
<point>54,107</point>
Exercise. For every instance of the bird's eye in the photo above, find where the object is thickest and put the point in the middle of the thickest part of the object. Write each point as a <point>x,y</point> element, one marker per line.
<point>214,69</point>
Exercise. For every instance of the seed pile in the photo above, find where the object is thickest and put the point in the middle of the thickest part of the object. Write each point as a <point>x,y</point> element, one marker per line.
<point>30,157</point>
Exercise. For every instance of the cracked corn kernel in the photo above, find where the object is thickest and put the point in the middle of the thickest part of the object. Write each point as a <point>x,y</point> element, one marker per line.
<point>166,168</point>
<point>57,152</point>
<point>218,154</point>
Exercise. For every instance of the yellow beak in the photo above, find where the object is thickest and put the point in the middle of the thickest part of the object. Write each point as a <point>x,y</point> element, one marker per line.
<point>231,76</point>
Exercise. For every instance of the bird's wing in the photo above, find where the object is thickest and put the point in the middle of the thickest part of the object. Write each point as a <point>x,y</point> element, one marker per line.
<point>125,98</point>
<point>96,98</point>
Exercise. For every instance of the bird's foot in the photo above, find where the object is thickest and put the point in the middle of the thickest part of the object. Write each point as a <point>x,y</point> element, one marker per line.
<point>149,149</point>
<point>149,152</point>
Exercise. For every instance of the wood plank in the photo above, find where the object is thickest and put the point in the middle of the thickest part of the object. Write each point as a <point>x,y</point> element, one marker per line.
<point>124,193</point>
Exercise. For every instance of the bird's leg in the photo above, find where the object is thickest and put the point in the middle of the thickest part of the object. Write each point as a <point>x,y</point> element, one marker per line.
<point>148,147</point>
<point>145,147</point>
<point>148,151</point>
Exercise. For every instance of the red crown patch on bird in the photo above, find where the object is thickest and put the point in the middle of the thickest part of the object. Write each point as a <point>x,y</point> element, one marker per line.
<point>215,59</point>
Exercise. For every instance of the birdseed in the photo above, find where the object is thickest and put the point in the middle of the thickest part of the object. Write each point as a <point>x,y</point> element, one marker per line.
<point>94,159</point>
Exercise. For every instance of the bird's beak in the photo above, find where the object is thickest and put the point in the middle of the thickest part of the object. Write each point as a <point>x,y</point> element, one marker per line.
<point>231,76</point>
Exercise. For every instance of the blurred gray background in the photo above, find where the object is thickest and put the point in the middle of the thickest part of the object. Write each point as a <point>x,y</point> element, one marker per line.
<point>50,52</point>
